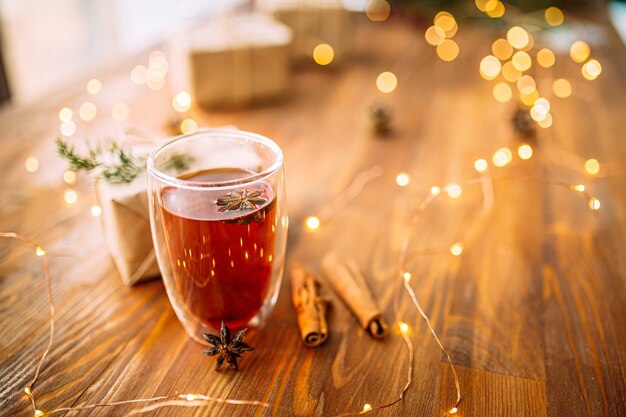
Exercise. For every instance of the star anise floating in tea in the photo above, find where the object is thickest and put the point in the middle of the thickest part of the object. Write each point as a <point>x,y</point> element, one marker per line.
<point>226,348</point>
<point>241,201</point>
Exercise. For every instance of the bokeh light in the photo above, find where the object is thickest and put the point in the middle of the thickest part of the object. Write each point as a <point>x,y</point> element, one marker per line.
<point>579,51</point>
<point>96,210</point>
<point>69,177</point>
<point>591,69</point>
<point>403,179</point>
<point>70,196</point>
<point>518,37</point>
<point>502,157</point>
<point>502,92</point>
<point>526,85</point>
<point>88,111</point>
<point>502,49</point>
<point>529,99</point>
<point>594,203</point>
<point>480,165</point>
<point>323,54</point>
<point>65,114</point>
<point>435,190</point>
<point>120,111</point>
<point>456,249</point>
<point>545,58</point>
<point>562,88</point>
<point>521,61</point>
<point>377,10</point>
<point>94,86</point>
<point>386,82</point>
<point>486,5</point>
<point>448,50</point>
<point>435,35</point>
<point>525,151</point>
<point>497,11</point>
<point>547,122</point>
<point>510,73</point>
<point>68,128</point>
<point>592,166</point>
<point>447,23</point>
<point>31,164</point>
<point>490,67</point>
<point>139,75</point>
<point>188,126</point>
<point>554,16</point>
<point>312,223</point>
<point>454,190</point>
<point>181,102</point>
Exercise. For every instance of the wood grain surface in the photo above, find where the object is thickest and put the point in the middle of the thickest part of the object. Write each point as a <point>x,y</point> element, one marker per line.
<point>533,312</point>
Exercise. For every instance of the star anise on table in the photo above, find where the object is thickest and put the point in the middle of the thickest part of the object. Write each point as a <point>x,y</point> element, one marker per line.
<point>241,200</point>
<point>226,348</point>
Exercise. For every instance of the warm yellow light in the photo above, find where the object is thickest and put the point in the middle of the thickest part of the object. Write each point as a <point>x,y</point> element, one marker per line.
<point>591,69</point>
<point>543,104</point>
<point>592,166</point>
<point>540,109</point>
<point>454,190</point>
<point>191,397</point>
<point>139,75</point>
<point>188,126</point>
<point>562,88</point>
<point>158,66</point>
<point>547,122</point>
<point>486,5</point>
<point>377,10</point>
<point>502,49</point>
<point>69,177</point>
<point>68,128</point>
<point>545,58</point>
<point>502,157</point>
<point>386,82</point>
<point>434,190</point>
<point>403,179</point>
<point>70,197</point>
<point>367,408</point>
<point>502,92</point>
<point>510,73</point>
<point>404,328</point>
<point>120,111</point>
<point>518,37</point>
<point>578,187</point>
<point>87,111</point>
<point>323,54</point>
<point>554,16</point>
<point>448,50</point>
<point>529,99</point>
<point>537,115</point>
<point>96,210</point>
<point>312,223</point>
<point>447,23</point>
<point>526,84</point>
<point>453,410</point>
<point>181,102</point>
<point>406,276</point>
<point>525,152</point>
<point>456,249</point>
<point>490,67</point>
<point>65,114</point>
<point>434,35</point>
<point>39,413</point>
<point>27,390</point>
<point>521,61</point>
<point>39,252</point>
<point>594,203</point>
<point>31,164</point>
<point>94,86</point>
<point>155,84</point>
<point>480,165</point>
<point>579,51</point>
<point>497,11</point>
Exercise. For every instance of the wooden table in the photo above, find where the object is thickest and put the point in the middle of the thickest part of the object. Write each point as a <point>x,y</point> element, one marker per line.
<point>533,311</point>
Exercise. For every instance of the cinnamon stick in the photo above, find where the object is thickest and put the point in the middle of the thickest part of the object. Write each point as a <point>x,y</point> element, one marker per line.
<point>350,285</point>
<point>310,307</point>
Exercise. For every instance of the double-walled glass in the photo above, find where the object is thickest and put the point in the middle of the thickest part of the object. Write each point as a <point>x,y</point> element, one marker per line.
<point>219,225</point>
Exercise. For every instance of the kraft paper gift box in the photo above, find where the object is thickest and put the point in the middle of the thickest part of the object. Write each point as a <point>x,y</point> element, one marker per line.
<point>313,22</point>
<point>239,60</point>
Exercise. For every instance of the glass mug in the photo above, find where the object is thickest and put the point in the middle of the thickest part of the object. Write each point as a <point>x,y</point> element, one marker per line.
<point>219,226</point>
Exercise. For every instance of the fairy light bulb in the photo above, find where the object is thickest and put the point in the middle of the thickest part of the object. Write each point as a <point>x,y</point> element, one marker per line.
<point>594,204</point>
<point>454,190</point>
<point>435,190</point>
<point>453,410</point>
<point>312,223</point>
<point>39,413</point>
<point>191,397</point>
<point>404,328</point>
<point>39,252</point>
<point>27,390</point>
<point>480,165</point>
<point>367,408</point>
<point>578,187</point>
<point>181,102</point>
<point>592,166</point>
<point>403,179</point>
<point>525,151</point>
<point>456,249</point>
<point>406,276</point>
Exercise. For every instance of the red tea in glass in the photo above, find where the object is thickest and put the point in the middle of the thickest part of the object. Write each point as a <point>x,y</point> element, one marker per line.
<point>221,261</point>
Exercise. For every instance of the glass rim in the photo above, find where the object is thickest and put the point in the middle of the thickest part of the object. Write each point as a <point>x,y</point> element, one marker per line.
<point>181,183</point>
